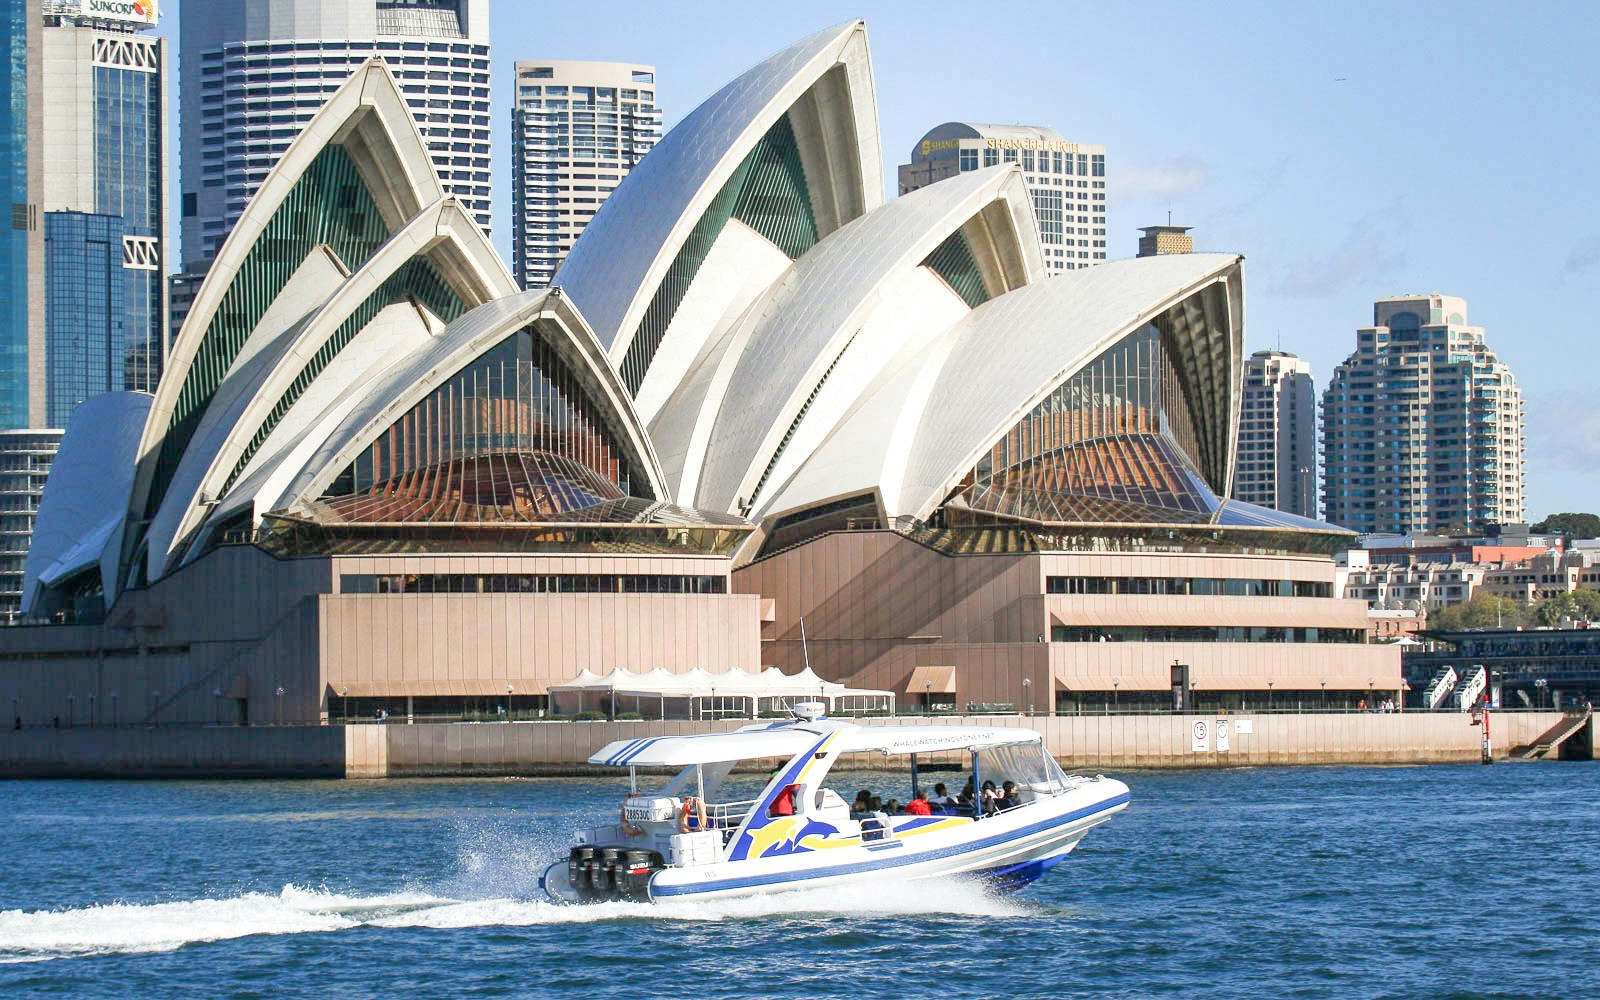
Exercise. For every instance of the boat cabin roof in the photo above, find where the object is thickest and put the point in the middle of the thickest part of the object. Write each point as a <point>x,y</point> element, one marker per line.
<point>785,739</point>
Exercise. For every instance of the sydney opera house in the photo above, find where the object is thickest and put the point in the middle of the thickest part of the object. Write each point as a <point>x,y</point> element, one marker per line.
<point>760,401</point>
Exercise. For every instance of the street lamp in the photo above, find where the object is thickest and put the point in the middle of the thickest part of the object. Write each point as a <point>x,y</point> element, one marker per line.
<point>155,708</point>
<point>280,706</point>
<point>1116,693</point>
<point>116,715</point>
<point>1541,685</point>
<point>1269,696</point>
<point>1324,694</point>
<point>927,697</point>
<point>72,701</point>
<point>91,710</point>
<point>509,689</point>
<point>216,693</point>
<point>1027,695</point>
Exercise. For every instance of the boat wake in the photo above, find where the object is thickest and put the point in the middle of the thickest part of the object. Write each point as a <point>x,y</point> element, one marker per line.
<point>122,928</point>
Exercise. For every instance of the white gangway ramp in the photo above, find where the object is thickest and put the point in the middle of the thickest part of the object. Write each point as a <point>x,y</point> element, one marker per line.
<point>1440,687</point>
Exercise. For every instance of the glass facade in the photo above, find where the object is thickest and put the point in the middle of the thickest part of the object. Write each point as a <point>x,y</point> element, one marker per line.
<point>128,184</point>
<point>1204,633</point>
<point>1117,441</point>
<point>14,245</point>
<point>88,319</point>
<point>1186,586</point>
<point>513,436</point>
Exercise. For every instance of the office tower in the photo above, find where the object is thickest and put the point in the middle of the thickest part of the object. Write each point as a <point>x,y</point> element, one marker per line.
<point>255,71</point>
<point>103,193</point>
<point>578,128</point>
<point>1067,181</point>
<point>25,457</point>
<point>22,248</point>
<point>1277,455</point>
<point>1422,425</point>
<point>1158,240</point>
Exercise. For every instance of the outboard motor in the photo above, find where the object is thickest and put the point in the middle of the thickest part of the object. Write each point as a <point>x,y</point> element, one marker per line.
<point>636,867</point>
<point>603,873</point>
<point>579,863</point>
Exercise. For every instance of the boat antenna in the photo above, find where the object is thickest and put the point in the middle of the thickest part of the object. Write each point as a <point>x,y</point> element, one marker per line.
<point>805,653</point>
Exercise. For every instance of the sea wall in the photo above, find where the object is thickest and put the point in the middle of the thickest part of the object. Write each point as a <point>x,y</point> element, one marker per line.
<point>173,752</point>
<point>1083,742</point>
<point>1106,742</point>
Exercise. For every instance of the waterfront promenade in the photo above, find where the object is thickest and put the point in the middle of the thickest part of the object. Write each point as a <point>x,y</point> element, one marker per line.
<point>456,749</point>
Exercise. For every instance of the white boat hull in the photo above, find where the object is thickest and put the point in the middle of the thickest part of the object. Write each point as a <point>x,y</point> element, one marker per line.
<point>1007,850</point>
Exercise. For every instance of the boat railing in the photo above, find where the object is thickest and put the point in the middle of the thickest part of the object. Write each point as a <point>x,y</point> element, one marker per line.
<point>729,816</point>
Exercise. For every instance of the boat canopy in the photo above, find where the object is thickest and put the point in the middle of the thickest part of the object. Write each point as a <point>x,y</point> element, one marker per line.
<point>786,739</point>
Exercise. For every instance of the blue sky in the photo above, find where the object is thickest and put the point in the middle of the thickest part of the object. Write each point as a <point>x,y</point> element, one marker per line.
<point>1350,151</point>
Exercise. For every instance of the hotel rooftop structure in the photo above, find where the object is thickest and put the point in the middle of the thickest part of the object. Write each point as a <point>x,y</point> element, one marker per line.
<point>759,400</point>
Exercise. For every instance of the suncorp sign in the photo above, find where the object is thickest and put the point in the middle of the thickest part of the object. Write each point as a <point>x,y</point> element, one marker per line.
<point>136,11</point>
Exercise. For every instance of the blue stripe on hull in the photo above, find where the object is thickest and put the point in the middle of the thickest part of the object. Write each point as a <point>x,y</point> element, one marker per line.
<point>1012,877</point>
<point>797,879</point>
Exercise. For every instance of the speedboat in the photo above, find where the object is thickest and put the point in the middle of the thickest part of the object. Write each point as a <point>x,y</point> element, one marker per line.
<point>703,834</point>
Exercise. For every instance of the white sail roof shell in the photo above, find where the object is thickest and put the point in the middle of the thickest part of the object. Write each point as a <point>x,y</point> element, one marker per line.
<point>805,324</point>
<point>947,401</point>
<point>615,267</point>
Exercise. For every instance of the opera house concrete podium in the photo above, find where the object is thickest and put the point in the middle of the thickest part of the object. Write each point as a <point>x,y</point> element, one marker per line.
<point>376,475</point>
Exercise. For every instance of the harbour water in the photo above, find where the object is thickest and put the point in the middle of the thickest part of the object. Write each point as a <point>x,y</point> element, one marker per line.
<point>1449,881</point>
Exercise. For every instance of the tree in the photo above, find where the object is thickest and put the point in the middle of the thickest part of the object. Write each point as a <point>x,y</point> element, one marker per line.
<point>1569,524</point>
<point>1586,604</point>
<point>1484,610</point>
<point>1552,610</point>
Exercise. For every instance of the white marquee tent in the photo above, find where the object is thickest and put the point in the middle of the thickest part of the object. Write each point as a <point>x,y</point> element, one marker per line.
<point>700,694</point>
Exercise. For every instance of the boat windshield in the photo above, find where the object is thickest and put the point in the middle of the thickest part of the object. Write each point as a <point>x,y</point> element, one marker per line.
<point>1028,764</point>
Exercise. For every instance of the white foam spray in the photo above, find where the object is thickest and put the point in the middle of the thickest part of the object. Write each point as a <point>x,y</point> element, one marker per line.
<point>30,936</point>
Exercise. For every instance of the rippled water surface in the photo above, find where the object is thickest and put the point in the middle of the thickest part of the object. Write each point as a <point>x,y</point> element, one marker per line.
<point>1326,882</point>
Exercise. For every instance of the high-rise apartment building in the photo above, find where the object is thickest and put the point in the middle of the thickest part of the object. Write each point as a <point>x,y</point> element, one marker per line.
<point>255,71</point>
<point>25,457</point>
<point>577,128</point>
<point>1276,462</point>
<point>104,194</point>
<point>1422,425</point>
<point>1067,181</point>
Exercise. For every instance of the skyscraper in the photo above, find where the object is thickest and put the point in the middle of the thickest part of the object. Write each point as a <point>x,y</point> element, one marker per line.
<point>1067,181</point>
<point>1422,425</point>
<point>104,194</point>
<point>255,71</point>
<point>22,247</point>
<point>1277,455</point>
<point>578,128</point>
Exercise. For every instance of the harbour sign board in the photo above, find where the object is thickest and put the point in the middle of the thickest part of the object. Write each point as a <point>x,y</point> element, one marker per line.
<point>1200,733</point>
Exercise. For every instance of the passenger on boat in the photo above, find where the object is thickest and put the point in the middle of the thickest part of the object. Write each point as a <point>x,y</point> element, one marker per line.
<point>692,816</point>
<point>861,805</point>
<point>918,806</point>
<point>941,796</point>
<point>1008,796</point>
<point>783,805</point>
<point>892,807</point>
<point>990,798</point>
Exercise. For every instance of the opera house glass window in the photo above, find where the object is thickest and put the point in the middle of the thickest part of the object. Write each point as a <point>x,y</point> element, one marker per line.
<point>1115,442</point>
<point>513,436</point>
